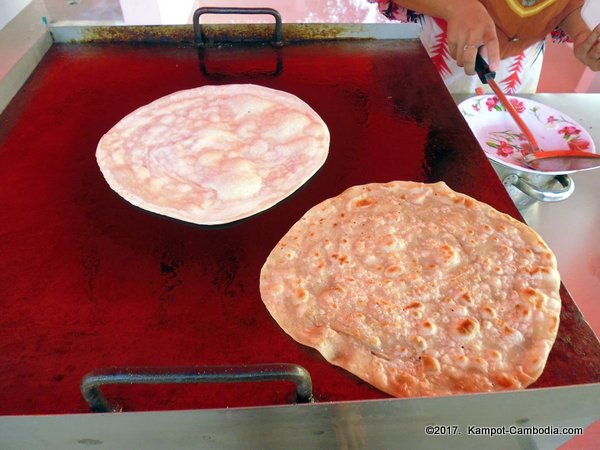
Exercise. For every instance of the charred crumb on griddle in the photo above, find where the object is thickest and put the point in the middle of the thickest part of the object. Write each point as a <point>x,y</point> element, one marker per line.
<point>170,276</point>
<point>169,270</point>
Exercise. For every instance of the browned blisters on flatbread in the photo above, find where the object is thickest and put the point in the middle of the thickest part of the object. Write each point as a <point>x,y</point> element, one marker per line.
<point>415,305</point>
<point>447,252</point>
<point>302,294</point>
<point>534,297</point>
<point>541,271</point>
<point>468,202</point>
<point>276,289</point>
<point>507,330</point>
<point>393,271</point>
<point>479,363</point>
<point>340,258</point>
<point>428,327</point>
<point>403,382</point>
<point>526,379</point>
<point>554,322</point>
<point>331,296</point>
<point>420,294</point>
<point>506,381</point>
<point>522,310</point>
<point>461,361</point>
<point>419,342</point>
<point>338,290</point>
<point>466,297</point>
<point>364,202</point>
<point>488,312</point>
<point>467,327</point>
<point>430,364</point>
<point>494,355</point>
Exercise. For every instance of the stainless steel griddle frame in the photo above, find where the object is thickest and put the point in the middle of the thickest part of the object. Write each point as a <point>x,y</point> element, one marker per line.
<point>390,423</point>
<point>377,424</point>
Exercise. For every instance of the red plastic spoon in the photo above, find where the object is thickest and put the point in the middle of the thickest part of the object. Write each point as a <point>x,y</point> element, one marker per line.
<point>545,161</point>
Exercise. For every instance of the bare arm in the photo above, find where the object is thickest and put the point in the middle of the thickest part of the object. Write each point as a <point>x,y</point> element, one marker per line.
<point>586,44</point>
<point>469,26</point>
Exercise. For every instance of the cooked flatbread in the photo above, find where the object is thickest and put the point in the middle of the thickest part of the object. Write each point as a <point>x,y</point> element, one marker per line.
<point>214,154</point>
<point>417,289</point>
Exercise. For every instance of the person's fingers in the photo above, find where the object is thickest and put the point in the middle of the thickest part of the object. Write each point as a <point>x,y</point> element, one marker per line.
<point>588,49</point>
<point>594,57</point>
<point>469,55</point>
<point>594,52</point>
<point>452,49</point>
<point>595,33</point>
<point>462,52</point>
<point>459,58</point>
<point>583,47</point>
<point>490,41</point>
<point>483,52</point>
<point>467,45</point>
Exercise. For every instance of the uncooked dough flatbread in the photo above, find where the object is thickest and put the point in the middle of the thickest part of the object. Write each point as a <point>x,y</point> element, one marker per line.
<point>214,154</point>
<point>417,289</point>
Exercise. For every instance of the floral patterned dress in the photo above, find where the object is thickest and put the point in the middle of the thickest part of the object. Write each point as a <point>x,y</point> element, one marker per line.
<point>519,72</point>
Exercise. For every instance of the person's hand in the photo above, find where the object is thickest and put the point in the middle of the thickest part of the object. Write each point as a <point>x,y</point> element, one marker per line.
<point>587,48</point>
<point>470,27</point>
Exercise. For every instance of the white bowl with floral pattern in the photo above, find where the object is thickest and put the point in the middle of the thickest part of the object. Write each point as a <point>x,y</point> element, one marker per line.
<point>503,141</point>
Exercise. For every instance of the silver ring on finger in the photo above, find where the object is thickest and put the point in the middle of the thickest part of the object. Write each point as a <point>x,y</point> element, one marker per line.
<point>470,46</point>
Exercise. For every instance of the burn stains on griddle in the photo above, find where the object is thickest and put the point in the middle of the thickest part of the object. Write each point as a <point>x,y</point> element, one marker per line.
<point>170,278</point>
<point>91,264</point>
<point>224,275</point>
<point>437,156</point>
<point>361,101</point>
<point>147,34</point>
<point>239,32</point>
<point>169,270</point>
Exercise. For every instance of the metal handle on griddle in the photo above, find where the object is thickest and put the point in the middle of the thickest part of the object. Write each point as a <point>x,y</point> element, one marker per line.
<point>91,383</point>
<point>199,36</point>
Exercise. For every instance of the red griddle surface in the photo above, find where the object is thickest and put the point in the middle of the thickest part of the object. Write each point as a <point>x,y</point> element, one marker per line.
<point>88,281</point>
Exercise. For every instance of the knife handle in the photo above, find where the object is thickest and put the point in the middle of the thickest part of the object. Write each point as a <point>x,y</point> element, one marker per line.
<point>483,69</point>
